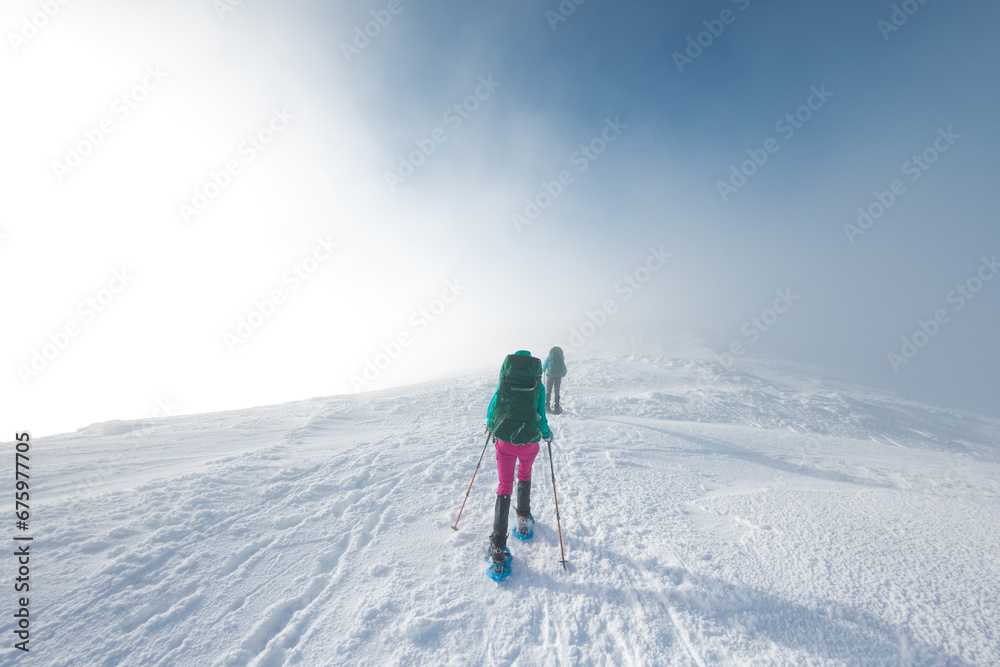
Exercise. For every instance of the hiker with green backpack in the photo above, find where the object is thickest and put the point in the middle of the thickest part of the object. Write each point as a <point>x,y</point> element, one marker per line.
<point>516,419</point>
<point>555,371</point>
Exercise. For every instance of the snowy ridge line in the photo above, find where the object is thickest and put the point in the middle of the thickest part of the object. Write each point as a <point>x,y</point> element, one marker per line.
<point>703,391</point>
<point>714,446</point>
<point>317,533</point>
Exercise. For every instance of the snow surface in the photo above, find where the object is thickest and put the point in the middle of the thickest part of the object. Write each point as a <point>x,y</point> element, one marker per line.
<point>751,516</point>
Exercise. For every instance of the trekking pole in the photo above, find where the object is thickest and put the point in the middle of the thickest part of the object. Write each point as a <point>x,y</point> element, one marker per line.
<point>554,497</point>
<point>488,434</point>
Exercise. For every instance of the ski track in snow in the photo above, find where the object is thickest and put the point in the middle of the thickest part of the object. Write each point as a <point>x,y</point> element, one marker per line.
<point>708,516</point>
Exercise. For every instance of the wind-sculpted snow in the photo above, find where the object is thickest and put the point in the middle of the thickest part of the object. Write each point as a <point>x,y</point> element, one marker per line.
<point>709,516</point>
<point>704,391</point>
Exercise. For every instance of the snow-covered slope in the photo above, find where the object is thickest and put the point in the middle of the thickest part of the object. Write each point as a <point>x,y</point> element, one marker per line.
<point>709,515</point>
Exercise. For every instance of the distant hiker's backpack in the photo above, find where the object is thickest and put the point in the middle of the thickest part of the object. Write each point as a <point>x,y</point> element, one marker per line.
<point>515,414</point>
<point>557,365</point>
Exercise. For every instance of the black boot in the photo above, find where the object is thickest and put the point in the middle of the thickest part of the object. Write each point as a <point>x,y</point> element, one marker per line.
<point>523,498</point>
<point>523,508</point>
<point>498,549</point>
<point>498,540</point>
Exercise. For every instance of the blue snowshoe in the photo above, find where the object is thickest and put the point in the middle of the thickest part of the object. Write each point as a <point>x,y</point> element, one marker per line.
<point>524,528</point>
<point>499,571</point>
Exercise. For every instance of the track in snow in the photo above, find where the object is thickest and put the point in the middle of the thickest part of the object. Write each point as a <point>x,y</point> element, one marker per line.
<point>792,529</point>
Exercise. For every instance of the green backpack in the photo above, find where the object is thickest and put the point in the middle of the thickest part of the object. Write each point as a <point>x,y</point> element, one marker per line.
<point>515,414</point>
<point>557,365</point>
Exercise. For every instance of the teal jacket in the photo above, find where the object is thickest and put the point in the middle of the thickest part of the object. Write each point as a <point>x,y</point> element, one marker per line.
<point>543,423</point>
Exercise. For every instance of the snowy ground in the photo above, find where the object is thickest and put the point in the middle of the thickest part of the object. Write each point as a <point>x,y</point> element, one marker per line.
<point>709,516</point>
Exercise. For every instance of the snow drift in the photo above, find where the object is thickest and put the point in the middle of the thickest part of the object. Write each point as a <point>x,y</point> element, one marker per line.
<point>760,515</point>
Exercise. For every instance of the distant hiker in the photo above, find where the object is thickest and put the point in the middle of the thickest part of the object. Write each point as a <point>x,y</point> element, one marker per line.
<point>555,370</point>
<point>516,418</point>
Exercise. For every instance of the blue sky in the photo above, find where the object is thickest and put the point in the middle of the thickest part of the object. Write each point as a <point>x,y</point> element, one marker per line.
<point>555,90</point>
<point>785,227</point>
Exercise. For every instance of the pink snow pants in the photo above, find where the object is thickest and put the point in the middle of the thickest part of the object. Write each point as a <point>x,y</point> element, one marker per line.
<point>507,454</point>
